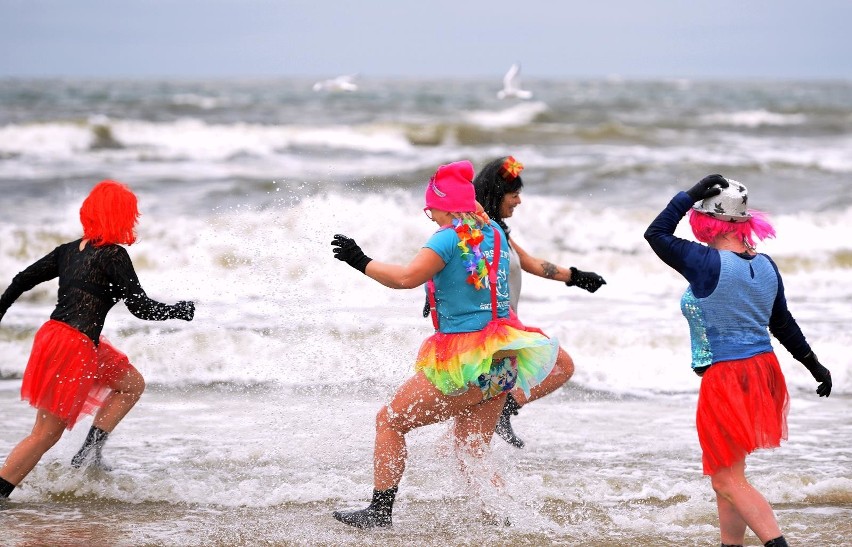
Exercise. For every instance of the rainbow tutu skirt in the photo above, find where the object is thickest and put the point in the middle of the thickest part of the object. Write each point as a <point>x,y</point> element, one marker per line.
<point>453,361</point>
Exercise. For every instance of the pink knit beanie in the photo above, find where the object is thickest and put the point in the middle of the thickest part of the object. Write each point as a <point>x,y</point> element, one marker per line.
<point>451,188</point>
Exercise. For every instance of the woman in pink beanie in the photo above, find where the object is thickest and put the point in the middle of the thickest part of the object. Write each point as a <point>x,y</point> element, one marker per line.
<point>479,351</point>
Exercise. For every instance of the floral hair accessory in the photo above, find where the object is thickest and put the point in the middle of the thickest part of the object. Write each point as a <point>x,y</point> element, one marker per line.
<point>470,236</point>
<point>511,169</point>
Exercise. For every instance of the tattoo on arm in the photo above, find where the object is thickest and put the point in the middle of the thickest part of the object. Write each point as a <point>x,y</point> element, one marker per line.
<point>549,270</point>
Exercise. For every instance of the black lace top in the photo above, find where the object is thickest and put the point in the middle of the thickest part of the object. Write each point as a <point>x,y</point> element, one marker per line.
<point>91,282</point>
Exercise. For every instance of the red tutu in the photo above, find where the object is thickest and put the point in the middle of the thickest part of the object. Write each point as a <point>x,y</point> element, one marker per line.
<point>67,374</point>
<point>742,406</point>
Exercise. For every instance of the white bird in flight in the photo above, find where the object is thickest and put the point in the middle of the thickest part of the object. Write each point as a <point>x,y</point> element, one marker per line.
<point>341,83</point>
<point>512,85</point>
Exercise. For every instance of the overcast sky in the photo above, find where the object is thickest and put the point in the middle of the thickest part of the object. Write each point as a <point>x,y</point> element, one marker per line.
<point>426,38</point>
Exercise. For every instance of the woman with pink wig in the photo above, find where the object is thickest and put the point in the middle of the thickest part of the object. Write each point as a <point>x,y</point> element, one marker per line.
<point>479,351</point>
<point>735,294</point>
<point>72,369</point>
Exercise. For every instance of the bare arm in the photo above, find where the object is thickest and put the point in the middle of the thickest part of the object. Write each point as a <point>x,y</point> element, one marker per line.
<point>421,269</point>
<point>540,267</point>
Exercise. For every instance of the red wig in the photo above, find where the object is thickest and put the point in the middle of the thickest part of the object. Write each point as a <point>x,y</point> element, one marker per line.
<point>109,214</point>
<point>706,228</point>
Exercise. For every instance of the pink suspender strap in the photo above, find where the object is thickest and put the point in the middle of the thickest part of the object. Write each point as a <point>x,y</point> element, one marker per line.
<point>433,306</point>
<point>492,273</point>
<point>492,282</point>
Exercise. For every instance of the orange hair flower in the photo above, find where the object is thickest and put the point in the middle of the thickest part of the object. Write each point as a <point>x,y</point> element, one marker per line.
<point>511,169</point>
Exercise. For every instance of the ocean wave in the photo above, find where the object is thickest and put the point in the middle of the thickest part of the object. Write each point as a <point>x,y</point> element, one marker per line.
<point>263,278</point>
<point>752,118</point>
<point>192,138</point>
<point>514,116</point>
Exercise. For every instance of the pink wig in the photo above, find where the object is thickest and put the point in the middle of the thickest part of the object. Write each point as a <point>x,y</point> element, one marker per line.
<point>706,228</point>
<point>109,214</point>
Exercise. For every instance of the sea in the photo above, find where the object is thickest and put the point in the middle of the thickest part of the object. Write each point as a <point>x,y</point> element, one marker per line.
<point>259,415</point>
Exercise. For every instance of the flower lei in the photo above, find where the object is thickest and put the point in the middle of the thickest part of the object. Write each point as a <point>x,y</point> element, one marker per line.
<point>470,236</point>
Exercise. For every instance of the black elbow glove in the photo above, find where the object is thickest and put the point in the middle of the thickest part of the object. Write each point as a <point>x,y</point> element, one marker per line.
<point>819,372</point>
<point>589,281</point>
<point>348,251</point>
<point>184,310</point>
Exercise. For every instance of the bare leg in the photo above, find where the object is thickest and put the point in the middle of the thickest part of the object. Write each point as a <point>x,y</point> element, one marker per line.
<point>752,508</point>
<point>561,373</point>
<point>731,525</point>
<point>125,394</point>
<point>473,430</point>
<point>47,430</point>
<point>415,404</point>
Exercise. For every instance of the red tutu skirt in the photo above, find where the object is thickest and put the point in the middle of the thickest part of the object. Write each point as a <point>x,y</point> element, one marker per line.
<point>742,406</point>
<point>67,375</point>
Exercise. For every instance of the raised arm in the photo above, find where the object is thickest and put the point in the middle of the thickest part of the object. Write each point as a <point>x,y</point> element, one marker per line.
<point>699,264</point>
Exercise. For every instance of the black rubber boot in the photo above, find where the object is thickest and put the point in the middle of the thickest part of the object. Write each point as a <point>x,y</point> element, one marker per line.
<point>6,488</point>
<point>731,545</point>
<point>91,450</point>
<point>377,515</point>
<point>777,542</point>
<point>504,426</point>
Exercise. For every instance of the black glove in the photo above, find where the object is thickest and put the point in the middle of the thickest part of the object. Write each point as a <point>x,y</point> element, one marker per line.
<point>427,309</point>
<point>589,281</point>
<point>709,186</point>
<point>184,310</point>
<point>820,374</point>
<point>348,251</point>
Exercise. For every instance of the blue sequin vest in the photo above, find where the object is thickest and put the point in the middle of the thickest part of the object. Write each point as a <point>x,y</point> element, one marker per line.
<point>731,323</point>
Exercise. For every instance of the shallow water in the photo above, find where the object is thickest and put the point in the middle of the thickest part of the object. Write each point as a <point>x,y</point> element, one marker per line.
<point>267,466</point>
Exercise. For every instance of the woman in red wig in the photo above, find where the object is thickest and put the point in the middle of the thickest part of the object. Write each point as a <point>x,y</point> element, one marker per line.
<point>735,294</point>
<point>72,369</point>
<point>479,351</point>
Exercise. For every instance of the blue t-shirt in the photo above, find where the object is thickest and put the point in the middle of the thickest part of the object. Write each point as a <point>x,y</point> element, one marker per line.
<point>461,307</point>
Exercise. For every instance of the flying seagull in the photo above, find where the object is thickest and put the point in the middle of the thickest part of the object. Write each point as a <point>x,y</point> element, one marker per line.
<point>512,85</point>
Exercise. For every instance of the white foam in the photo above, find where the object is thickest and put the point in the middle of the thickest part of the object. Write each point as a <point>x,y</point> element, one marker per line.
<point>752,118</point>
<point>514,116</point>
<point>273,303</point>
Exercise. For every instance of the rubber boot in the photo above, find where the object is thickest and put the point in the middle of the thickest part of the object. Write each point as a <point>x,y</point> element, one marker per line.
<point>6,488</point>
<point>504,426</point>
<point>731,545</point>
<point>377,515</point>
<point>91,450</point>
<point>777,542</point>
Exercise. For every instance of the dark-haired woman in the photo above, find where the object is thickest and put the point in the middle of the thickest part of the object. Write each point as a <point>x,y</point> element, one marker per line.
<point>498,189</point>
<point>72,369</point>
